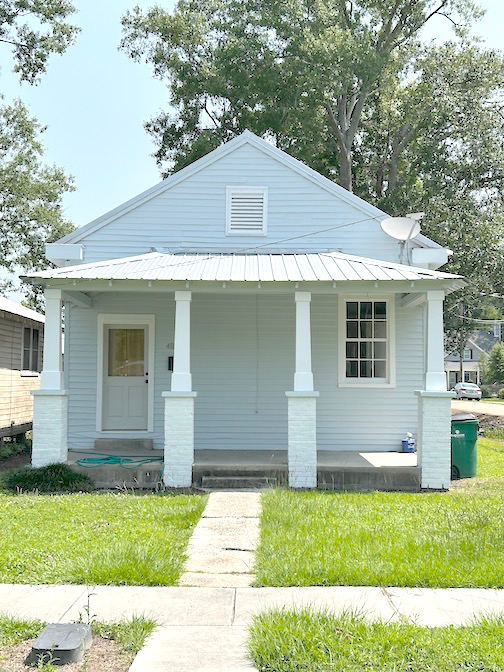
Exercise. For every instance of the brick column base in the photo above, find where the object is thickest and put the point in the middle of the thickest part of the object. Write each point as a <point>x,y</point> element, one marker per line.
<point>50,421</point>
<point>434,439</point>
<point>179,439</point>
<point>302,439</point>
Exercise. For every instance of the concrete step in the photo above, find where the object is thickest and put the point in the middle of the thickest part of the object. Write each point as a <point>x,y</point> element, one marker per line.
<point>402,479</point>
<point>239,481</point>
<point>115,446</point>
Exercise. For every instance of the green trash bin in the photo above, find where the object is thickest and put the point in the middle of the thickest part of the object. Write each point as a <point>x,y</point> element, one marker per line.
<point>464,436</point>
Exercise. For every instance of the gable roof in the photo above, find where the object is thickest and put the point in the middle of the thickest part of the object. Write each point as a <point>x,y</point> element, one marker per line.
<point>247,137</point>
<point>309,267</point>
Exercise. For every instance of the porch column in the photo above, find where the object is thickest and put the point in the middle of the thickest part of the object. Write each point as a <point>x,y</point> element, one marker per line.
<point>303,377</point>
<point>302,404</point>
<point>179,403</point>
<point>50,402</point>
<point>434,403</point>
<point>181,376</point>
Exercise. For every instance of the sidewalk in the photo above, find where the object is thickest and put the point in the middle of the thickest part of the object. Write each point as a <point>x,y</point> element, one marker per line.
<point>205,629</point>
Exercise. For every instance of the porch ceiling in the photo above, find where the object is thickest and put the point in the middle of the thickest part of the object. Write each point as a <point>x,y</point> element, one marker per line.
<point>321,267</point>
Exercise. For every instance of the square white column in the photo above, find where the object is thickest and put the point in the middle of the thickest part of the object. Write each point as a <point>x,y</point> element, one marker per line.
<point>181,377</point>
<point>179,439</point>
<point>52,373</point>
<point>435,376</point>
<point>303,376</point>
<point>302,439</point>
<point>434,439</point>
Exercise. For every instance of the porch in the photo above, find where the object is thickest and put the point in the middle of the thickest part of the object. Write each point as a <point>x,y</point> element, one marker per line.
<point>223,359</point>
<point>252,469</point>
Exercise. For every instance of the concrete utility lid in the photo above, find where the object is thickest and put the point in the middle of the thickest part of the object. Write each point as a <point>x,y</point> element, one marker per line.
<point>60,644</point>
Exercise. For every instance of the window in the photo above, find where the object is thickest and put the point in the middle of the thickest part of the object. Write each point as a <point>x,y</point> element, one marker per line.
<point>366,355</point>
<point>30,360</point>
<point>467,353</point>
<point>246,211</point>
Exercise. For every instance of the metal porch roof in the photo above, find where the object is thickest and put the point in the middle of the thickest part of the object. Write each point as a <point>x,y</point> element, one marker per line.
<point>321,267</point>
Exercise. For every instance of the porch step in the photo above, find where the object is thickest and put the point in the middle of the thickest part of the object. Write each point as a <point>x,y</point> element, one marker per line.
<point>238,482</point>
<point>116,445</point>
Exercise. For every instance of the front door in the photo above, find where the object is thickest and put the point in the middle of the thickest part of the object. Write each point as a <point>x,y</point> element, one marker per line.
<point>125,377</point>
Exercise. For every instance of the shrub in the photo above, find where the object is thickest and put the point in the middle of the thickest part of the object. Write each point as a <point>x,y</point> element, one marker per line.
<point>53,478</point>
<point>486,392</point>
<point>501,393</point>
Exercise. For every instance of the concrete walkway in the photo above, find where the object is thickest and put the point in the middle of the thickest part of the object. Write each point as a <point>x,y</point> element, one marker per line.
<point>221,548</point>
<point>205,629</point>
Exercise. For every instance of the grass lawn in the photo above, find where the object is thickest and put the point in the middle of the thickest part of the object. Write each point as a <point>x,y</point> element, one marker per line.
<point>493,401</point>
<point>287,641</point>
<point>398,539</point>
<point>108,539</point>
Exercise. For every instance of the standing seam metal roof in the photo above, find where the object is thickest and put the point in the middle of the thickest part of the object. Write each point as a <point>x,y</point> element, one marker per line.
<point>323,267</point>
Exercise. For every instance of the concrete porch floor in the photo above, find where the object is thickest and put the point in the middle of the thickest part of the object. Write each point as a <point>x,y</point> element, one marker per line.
<point>220,469</point>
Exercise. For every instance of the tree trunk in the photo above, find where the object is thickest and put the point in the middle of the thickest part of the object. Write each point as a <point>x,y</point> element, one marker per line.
<point>345,174</point>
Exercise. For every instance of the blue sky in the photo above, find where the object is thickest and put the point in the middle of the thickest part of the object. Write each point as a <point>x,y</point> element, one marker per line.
<point>94,100</point>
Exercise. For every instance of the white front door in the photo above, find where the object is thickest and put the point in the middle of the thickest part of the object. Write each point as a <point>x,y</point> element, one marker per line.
<point>125,376</point>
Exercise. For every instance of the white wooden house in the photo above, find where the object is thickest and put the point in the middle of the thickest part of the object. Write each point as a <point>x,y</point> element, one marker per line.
<point>280,305</point>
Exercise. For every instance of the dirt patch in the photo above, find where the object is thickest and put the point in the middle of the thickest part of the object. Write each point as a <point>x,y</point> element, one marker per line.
<point>15,461</point>
<point>489,421</point>
<point>105,655</point>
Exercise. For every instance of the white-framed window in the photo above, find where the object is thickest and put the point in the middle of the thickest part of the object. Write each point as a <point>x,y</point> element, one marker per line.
<point>246,211</point>
<point>366,341</point>
<point>30,352</point>
<point>467,354</point>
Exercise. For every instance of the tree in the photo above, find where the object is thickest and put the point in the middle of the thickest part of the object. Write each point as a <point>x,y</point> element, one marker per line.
<point>348,88</point>
<point>30,192</point>
<point>494,365</point>
<point>35,29</point>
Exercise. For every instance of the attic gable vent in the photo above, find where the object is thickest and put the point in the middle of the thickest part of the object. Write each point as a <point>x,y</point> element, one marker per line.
<point>246,211</point>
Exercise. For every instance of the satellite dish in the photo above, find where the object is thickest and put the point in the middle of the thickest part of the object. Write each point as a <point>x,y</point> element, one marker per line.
<point>401,228</point>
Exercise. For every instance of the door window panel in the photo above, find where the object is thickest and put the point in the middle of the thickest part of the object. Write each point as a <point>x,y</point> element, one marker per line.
<point>126,352</point>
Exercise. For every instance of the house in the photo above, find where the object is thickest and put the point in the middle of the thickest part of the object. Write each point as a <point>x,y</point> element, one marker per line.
<point>245,303</point>
<point>479,344</point>
<point>21,342</point>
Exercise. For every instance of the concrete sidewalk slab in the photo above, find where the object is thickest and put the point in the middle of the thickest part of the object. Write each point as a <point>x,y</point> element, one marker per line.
<point>168,606</point>
<point>195,649</point>
<point>233,504</point>
<point>437,607</point>
<point>224,541</point>
<point>44,602</point>
<point>371,602</point>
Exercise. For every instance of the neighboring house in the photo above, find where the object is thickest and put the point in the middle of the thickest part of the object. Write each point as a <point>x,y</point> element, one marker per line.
<point>481,342</point>
<point>247,303</point>
<point>21,343</point>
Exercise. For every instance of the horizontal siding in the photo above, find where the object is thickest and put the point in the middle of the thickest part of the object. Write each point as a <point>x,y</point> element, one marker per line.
<point>192,215</point>
<point>16,402</point>
<point>242,352</point>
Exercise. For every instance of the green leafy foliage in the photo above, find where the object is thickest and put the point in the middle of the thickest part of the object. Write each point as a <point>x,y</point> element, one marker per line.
<point>493,369</point>
<point>34,30</point>
<point>349,89</point>
<point>53,478</point>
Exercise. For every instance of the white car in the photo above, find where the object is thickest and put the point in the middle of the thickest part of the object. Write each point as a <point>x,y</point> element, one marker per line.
<point>467,391</point>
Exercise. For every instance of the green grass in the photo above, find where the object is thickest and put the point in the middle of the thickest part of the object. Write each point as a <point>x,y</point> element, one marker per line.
<point>12,447</point>
<point>109,539</point>
<point>288,641</point>
<point>14,630</point>
<point>493,401</point>
<point>454,539</point>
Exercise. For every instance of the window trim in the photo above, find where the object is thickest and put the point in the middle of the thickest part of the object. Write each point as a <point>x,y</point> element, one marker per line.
<point>390,381</point>
<point>230,190</point>
<point>29,372</point>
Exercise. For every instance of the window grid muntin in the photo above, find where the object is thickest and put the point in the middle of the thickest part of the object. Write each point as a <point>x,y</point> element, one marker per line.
<point>30,352</point>
<point>367,342</point>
